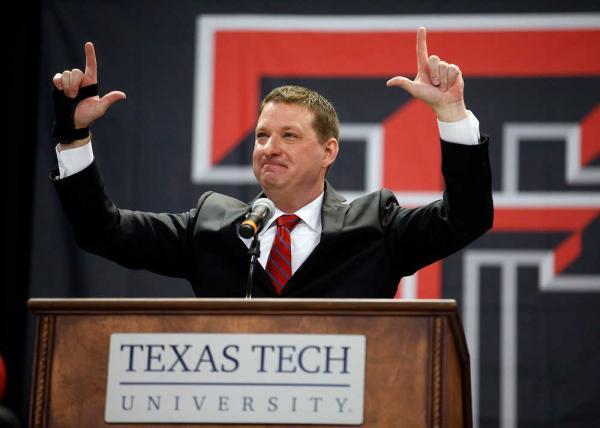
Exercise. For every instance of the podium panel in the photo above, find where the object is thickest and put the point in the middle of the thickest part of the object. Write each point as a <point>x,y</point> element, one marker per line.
<point>416,365</point>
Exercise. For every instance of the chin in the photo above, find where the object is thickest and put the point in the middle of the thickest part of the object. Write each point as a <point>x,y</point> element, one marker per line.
<point>271,178</point>
<point>270,185</point>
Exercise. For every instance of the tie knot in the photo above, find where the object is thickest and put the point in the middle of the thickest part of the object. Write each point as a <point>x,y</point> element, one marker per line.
<point>288,220</point>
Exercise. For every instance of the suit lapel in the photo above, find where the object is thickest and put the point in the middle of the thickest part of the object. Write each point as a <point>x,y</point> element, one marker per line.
<point>333,214</point>
<point>229,225</point>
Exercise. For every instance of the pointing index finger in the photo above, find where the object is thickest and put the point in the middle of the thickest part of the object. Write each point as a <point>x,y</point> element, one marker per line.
<point>91,68</point>
<point>422,50</point>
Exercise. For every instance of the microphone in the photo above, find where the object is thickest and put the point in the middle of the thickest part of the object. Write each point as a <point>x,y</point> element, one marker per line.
<point>262,210</point>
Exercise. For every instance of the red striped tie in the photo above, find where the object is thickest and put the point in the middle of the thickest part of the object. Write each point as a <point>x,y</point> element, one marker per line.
<point>279,265</point>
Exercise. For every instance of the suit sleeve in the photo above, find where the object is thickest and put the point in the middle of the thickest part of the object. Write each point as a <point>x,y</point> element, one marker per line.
<point>137,240</point>
<point>420,236</point>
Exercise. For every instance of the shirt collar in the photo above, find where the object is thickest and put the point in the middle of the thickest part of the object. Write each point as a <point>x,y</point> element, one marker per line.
<point>310,214</point>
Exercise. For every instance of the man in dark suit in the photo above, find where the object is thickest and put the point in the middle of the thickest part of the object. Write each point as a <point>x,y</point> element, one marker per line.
<point>316,245</point>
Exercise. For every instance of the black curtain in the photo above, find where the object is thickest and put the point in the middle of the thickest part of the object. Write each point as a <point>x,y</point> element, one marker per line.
<point>19,155</point>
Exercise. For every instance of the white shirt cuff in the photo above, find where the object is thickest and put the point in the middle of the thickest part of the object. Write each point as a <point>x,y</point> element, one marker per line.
<point>74,160</point>
<point>464,131</point>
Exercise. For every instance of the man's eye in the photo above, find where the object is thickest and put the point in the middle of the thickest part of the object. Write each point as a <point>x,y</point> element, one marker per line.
<point>290,135</point>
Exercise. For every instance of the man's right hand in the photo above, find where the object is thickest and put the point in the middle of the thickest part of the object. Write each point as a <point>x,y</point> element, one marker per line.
<point>88,109</point>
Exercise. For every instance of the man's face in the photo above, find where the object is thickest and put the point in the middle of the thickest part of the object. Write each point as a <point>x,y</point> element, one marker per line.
<point>288,155</point>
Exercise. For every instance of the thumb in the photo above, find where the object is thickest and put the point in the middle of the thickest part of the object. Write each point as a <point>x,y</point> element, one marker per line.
<point>109,99</point>
<point>402,82</point>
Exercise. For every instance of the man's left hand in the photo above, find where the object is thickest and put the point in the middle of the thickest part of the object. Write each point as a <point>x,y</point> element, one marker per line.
<point>437,83</point>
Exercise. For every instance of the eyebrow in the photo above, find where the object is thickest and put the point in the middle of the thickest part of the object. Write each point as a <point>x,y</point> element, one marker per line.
<point>285,128</point>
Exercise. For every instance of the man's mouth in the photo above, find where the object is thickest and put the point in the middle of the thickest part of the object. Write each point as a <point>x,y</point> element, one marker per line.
<point>273,165</point>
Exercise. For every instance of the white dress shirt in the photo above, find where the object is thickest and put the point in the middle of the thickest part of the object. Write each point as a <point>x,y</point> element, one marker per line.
<point>307,234</point>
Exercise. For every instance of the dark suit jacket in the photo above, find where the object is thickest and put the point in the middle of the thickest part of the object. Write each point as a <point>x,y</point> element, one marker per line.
<point>366,246</point>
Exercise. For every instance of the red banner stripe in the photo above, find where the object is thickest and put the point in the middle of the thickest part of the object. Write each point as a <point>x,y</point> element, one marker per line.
<point>543,220</point>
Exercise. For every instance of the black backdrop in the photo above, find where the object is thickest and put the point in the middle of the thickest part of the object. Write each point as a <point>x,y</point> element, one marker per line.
<point>146,48</point>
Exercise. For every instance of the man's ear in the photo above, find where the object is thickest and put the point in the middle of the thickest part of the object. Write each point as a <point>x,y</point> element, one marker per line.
<point>332,149</point>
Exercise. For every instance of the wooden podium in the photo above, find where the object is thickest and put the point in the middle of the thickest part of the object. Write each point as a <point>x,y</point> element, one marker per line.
<point>417,363</point>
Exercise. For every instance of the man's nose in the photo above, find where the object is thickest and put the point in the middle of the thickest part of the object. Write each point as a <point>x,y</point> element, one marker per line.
<point>273,146</point>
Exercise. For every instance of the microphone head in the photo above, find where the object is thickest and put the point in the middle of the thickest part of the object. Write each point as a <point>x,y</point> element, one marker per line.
<point>266,203</point>
<point>262,210</point>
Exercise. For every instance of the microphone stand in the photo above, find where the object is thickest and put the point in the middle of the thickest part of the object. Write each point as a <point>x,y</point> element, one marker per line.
<point>254,253</point>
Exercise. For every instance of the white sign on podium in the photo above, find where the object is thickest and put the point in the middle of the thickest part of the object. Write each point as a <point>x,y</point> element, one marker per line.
<point>236,378</point>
